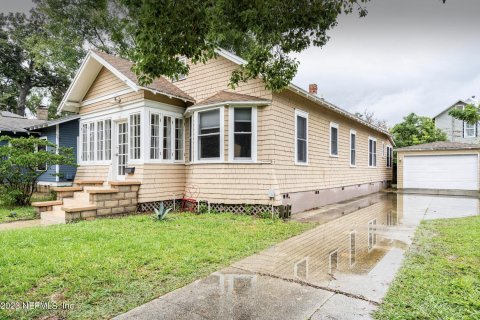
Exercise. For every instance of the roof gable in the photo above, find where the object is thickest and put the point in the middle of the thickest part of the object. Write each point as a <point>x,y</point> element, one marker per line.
<point>94,62</point>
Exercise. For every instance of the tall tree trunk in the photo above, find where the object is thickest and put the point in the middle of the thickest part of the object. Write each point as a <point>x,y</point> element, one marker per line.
<point>23,92</point>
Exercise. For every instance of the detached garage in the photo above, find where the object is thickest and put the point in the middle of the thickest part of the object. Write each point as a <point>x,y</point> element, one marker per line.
<point>439,167</point>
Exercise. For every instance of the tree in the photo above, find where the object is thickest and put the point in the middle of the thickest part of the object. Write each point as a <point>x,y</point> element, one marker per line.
<point>23,161</point>
<point>32,58</point>
<point>154,34</point>
<point>416,130</point>
<point>369,116</point>
<point>469,114</point>
<point>100,24</point>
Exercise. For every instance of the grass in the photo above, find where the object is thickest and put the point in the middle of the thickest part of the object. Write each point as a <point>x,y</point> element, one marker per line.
<point>440,278</point>
<point>21,212</point>
<point>108,266</point>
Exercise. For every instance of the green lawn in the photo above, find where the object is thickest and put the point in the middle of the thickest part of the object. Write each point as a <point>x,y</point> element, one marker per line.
<point>108,266</point>
<point>440,278</point>
<point>21,212</point>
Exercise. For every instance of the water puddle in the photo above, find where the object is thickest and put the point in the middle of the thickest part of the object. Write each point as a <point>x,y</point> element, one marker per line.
<point>357,246</point>
<point>341,269</point>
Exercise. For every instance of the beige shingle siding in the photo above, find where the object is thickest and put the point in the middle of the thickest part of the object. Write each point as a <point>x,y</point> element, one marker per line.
<point>89,172</point>
<point>322,171</point>
<point>205,80</point>
<point>159,181</point>
<point>105,83</point>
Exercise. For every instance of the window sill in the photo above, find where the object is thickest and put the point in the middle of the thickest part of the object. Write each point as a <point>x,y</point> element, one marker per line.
<point>301,163</point>
<point>353,166</point>
<point>333,155</point>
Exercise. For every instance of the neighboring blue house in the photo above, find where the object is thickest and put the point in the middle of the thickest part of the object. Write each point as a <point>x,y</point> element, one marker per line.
<point>62,132</point>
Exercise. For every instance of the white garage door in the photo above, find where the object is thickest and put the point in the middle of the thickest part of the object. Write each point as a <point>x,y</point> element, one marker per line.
<point>457,172</point>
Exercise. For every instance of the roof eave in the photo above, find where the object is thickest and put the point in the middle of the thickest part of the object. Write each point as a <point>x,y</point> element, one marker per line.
<point>227,103</point>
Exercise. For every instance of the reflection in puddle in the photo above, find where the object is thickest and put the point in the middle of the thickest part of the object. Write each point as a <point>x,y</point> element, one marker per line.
<point>348,261</point>
<point>358,245</point>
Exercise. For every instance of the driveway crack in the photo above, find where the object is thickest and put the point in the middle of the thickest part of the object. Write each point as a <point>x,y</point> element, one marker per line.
<point>305,283</point>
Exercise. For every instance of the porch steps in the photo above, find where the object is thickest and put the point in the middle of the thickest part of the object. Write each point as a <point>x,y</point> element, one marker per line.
<point>89,199</point>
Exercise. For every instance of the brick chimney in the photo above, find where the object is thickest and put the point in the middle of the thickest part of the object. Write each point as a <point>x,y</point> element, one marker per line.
<point>312,88</point>
<point>42,113</point>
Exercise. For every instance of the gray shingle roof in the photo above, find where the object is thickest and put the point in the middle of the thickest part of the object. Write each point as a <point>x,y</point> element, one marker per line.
<point>54,122</point>
<point>14,123</point>
<point>440,145</point>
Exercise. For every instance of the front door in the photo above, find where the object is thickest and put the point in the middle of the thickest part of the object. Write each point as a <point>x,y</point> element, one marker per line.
<point>122,150</point>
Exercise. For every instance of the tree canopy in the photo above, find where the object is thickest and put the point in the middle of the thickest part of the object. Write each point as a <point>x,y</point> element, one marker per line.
<point>416,130</point>
<point>469,114</point>
<point>23,161</point>
<point>33,59</point>
<point>154,34</point>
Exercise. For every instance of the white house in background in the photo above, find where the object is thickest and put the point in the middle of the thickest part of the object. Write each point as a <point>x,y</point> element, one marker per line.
<point>457,130</point>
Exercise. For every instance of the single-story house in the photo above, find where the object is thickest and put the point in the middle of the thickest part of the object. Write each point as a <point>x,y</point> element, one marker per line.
<point>62,132</point>
<point>439,167</point>
<point>239,150</point>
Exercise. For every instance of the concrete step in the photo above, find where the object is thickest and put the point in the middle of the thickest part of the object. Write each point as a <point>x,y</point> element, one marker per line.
<point>90,182</point>
<point>82,196</point>
<point>79,208</point>
<point>76,201</point>
<point>67,189</point>
<point>52,217</point>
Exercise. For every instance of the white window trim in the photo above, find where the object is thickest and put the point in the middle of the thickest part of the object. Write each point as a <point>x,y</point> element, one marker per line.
<point>368,160</point>
<point>304,115</point>
<point>389,147</point>
<point>353,132</point>
<point>330,260</point>
<point>141,136</point>
<point>295,267</point>
<point>465,130</point>
<point>333,125</point>
<point>374,239</point>
<point>350,247</point>
<point>174,138</point>
<point>94,161</point>
<point>231,135</point>
<point>196,153</point>
<point>182,76</point>
<point>46,149</point>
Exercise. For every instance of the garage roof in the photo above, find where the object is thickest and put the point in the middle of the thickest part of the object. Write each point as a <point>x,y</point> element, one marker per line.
<point>440,145</point>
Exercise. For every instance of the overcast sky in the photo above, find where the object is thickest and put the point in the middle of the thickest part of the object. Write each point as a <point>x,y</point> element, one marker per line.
<point>404,56</point>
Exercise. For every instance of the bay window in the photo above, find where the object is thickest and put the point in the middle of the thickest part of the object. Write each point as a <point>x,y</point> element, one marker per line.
<point>242,132</point>
<point>100,140</point>
<point>108,139</point>
<point>209,136</point>
<point>301,137</point>
<point>154,136</point>
<point>167,138</point>
<point>134,131</point>
<point>178,139</point>
<point>96,141</point>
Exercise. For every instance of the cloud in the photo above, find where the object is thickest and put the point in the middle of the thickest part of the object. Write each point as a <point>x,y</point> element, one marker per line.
<point>405,56</point>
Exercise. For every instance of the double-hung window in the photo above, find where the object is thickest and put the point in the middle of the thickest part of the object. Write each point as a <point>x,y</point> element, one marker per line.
<point>333,139</point>
<point>178,139</point>
<point>372,152</point>
<point>469,130</point>
<point>108,139</point>
<point>389,156</point>
<point>84,136</point>
<point>100,140</point>
<point>242,133</point>
<point>209,135</point>
<point>353,148</point>
<point>301,137</point>
<point>154,136</point>
<point>135,131</point>
<point>167,138</point>
<point>96,141</point>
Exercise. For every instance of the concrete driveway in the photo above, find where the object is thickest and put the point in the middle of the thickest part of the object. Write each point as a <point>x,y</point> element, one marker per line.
<point>341,269</point>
